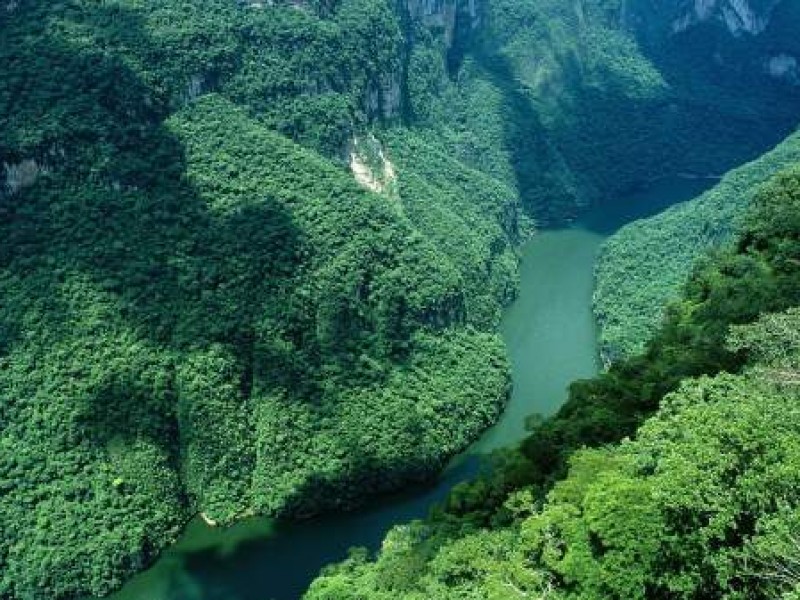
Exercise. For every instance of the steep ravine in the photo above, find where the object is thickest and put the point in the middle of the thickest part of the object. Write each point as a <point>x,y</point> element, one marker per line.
<point>551,339</point>
<point>203,313</point>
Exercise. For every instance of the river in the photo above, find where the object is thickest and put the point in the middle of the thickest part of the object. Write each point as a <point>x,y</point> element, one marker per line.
<point>551,337</point>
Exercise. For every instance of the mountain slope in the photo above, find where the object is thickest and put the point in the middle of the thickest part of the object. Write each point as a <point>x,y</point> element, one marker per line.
<point>257,334</point>
<point>703,502</point>
<point>644,266</point>
<point>198,313</point>
<point>202,311</point>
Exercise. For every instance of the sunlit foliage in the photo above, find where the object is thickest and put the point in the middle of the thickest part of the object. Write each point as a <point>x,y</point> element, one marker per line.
<point>701,501</point>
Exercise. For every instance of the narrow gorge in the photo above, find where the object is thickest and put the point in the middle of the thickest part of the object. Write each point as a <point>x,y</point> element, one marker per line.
<point>293,269</point>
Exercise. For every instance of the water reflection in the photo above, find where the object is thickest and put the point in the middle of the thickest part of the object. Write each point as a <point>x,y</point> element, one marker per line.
<point>551,338</point>
<point>261,559</point>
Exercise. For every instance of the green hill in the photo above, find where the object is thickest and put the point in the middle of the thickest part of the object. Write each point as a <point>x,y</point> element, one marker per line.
<point>701,499</point>
<point>644,266</point>
<point>202,310</point>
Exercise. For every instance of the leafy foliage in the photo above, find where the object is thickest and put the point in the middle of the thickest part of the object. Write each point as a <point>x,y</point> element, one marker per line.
<point>644,266</point>
<point>476,220</point>
<point>570,108</point>
<point>702,503</point>
<point>200,315</point>
<point>203,312</point>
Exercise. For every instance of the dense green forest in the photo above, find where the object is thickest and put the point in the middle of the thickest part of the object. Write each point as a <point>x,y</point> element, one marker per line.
<point>560,101</point>
<point>702,502</point>
<point>201,314</point>
<point>253,254</point>
<point>645,265</point>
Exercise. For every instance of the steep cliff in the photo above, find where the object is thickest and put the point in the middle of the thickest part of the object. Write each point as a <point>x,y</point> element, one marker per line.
<point>204,311</point>
<point>672,17</point>
<point>644,266</point>
<point>738,16</point>
<point>746,36</point>
<point>575,103</point>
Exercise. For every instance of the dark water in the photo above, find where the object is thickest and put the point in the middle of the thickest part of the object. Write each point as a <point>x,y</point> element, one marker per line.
<point>259,559</point>
<point>551,339</point>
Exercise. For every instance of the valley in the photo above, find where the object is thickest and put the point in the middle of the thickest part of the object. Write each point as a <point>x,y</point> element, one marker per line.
<point>333,273</point>
<point>550,333</point>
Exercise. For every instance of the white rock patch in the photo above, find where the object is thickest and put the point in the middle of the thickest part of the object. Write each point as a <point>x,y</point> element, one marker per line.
<point>784,66</point>
<point>22,174</point>
<point>367,176</point>
<point>738,16</point>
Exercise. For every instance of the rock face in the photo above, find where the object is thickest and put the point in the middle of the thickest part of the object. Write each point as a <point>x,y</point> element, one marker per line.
<point>383,97</point>
<point>738,16</point>
<point>784,67</point>
<point>449,19</point>
<point>752,37</point>
<point>371,167</point>
<point>196,86</point>
<point>16,176</point>
<point>442,14</point>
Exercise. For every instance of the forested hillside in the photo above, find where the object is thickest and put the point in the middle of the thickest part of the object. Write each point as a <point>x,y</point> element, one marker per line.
<point>645,265</point>
<point>575,103</point>
<point>198,313</point>
<point>702,502</point>
<point>253,254</point>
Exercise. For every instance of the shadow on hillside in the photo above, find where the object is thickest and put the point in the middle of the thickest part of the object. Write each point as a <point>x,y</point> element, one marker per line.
<point>266,565</point>
<point>533,158</point>
<point>612,129</point>
<point>117,214</point>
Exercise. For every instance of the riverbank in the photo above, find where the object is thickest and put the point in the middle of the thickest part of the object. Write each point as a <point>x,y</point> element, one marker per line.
<point>551,338</point>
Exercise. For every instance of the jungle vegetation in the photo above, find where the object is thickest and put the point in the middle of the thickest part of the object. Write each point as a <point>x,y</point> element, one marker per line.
<point>202,311</point>
<point>645,265</point>
<point>675,474</point>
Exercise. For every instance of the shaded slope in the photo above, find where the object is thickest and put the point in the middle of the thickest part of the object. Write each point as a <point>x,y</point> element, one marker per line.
<point>259,335</point>
<point>702,503</point>
<point>645,265</point>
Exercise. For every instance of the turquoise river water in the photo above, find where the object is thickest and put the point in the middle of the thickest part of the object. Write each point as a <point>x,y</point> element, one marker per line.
<point>551,340</point>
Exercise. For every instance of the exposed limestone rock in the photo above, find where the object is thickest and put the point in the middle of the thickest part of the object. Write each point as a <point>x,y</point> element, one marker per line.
<point>442,14</point>
<point>785,67</point>
<point>370,166</point>
<point>435,14</point>
<point>738,16</point>
<point>22,174</point>
<point>383,98</point>
<point>196,87</point>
